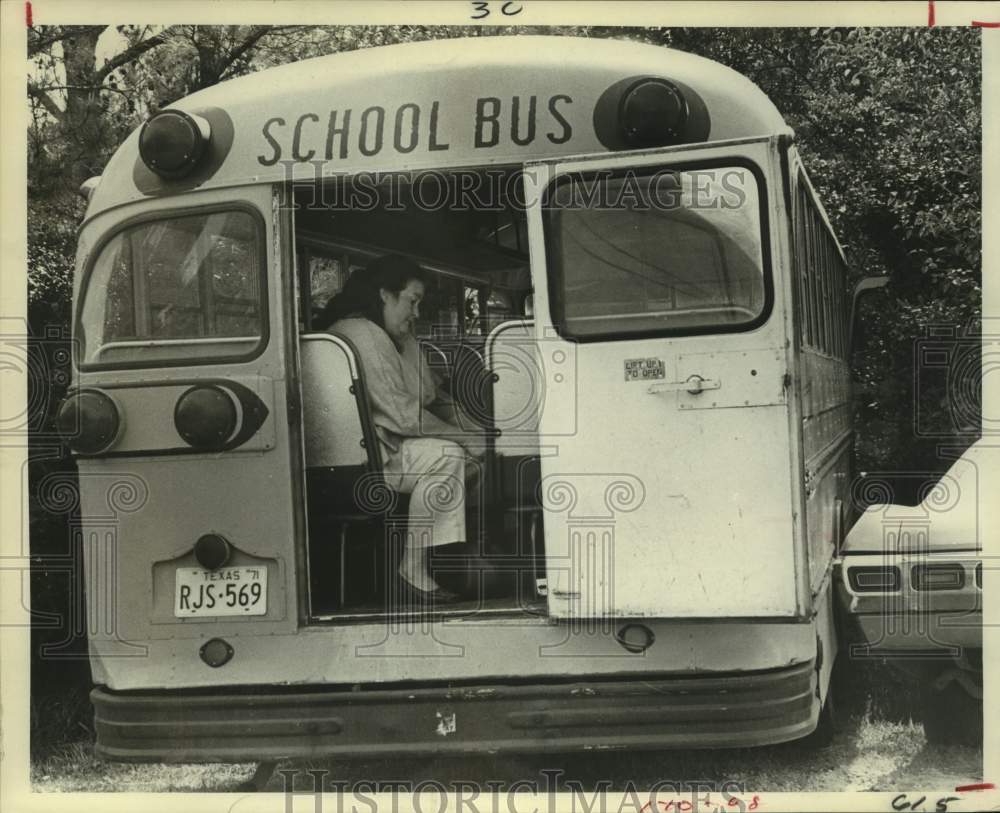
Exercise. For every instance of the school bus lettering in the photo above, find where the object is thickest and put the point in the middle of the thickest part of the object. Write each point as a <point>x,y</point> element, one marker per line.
<point>297,138</point>
<point>491,118</point>
<point>377,130</point>
<point>365,133</point>
<point>275,145</point>
<point>370,133</point>
<point>567,130</point>
<point>515,123</point>
<point>434,145</point>
<point>413,130</point>
<point>339,133</point>
<point>489,112</point>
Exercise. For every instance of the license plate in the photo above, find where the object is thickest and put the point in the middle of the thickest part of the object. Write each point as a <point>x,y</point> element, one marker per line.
<point>226,591</point>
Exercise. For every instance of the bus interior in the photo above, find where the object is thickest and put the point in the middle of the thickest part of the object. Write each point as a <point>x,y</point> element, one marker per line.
<point>468,232</point>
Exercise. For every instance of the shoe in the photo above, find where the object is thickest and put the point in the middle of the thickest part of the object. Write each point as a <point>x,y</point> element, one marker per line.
<point>411,594</point>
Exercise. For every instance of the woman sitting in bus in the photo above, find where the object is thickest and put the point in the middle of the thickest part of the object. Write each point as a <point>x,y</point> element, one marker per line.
<point>424,452</point>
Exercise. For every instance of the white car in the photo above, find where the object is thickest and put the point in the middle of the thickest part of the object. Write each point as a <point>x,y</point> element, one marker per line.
<point>910,587</point>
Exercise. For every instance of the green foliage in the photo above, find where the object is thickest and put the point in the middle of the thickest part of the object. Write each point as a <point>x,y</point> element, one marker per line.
<point>51,248</point>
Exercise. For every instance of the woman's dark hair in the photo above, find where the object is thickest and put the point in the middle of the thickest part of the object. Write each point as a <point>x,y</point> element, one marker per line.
<point>360,295</point>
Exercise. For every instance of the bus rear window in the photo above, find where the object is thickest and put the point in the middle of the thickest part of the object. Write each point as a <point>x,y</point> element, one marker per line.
<point>649,252</point>
<point>180,290</point>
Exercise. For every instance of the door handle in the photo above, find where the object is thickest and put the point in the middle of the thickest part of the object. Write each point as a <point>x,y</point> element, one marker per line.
<point>694,384</point>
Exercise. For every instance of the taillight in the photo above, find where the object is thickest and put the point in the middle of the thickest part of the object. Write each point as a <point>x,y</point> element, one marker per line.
<point>89,421</point>
<point>937,577</point>
<point>172,142</point>
<point>874,579</point>
<point>206,417</point>
<point>979,575</point>
<point>212,551</point>
<point>216,652</point>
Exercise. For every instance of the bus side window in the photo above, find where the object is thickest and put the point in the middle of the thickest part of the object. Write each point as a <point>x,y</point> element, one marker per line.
<point>440,309</point>
<point>821,279</point>
<point>327,276</point>
<point>840,281</point>
<point>473,311</point>
<point>835,310</point>
<point>802,271</point>
<point>809,269</point>
<point>831,296</point>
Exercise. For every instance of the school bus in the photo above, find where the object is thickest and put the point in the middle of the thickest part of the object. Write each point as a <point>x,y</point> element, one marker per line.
<point>635,292</point>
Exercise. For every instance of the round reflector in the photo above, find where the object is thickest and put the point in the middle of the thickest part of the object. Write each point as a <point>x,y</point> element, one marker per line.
<point>212,551</point>
<point>171,142</point>
<point>653,113</point>
<point>216,652</point>
<point>89,421</point>
<point>205,416</point>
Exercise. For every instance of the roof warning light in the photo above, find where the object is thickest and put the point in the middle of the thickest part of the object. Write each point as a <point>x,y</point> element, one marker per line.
<point>172,142</point>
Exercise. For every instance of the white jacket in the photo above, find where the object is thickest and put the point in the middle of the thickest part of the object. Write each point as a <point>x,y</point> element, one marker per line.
<point>400,385</point>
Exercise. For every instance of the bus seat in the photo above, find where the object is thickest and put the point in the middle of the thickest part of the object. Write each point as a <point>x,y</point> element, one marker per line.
<point>518,386</point>
<point>513,358</point>
<point>333,416</point>
<point>343,469</point>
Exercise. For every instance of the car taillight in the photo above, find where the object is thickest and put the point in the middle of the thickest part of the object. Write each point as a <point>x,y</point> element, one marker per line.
<point>979,575</point>
<point>937,577</point>
<point>206,417</point>
<point>874,579</point>
<point>89,421</point>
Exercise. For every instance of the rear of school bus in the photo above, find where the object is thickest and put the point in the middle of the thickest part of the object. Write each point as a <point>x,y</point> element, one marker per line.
<point>683,607</point>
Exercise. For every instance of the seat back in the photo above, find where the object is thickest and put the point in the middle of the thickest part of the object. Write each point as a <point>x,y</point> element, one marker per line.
<point>336,418</point>
<point>346,494</point>
<point>513,357</point>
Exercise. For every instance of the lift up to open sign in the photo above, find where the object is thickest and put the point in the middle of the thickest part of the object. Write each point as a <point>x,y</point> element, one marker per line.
<point>644,369</point>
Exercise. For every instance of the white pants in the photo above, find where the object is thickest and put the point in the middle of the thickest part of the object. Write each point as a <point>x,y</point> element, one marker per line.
<point>432,471</point>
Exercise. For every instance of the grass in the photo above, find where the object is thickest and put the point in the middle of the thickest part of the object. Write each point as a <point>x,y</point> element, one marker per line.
<point>61,715</point>
<point>75,768</point>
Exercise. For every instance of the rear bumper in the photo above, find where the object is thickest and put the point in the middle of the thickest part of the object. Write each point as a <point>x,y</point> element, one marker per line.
<point>637,712</point>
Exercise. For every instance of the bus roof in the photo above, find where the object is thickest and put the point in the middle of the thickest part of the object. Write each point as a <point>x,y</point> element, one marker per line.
<point>434,104</point>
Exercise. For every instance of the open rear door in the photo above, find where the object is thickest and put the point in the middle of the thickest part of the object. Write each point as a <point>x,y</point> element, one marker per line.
<point>657,289</point>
